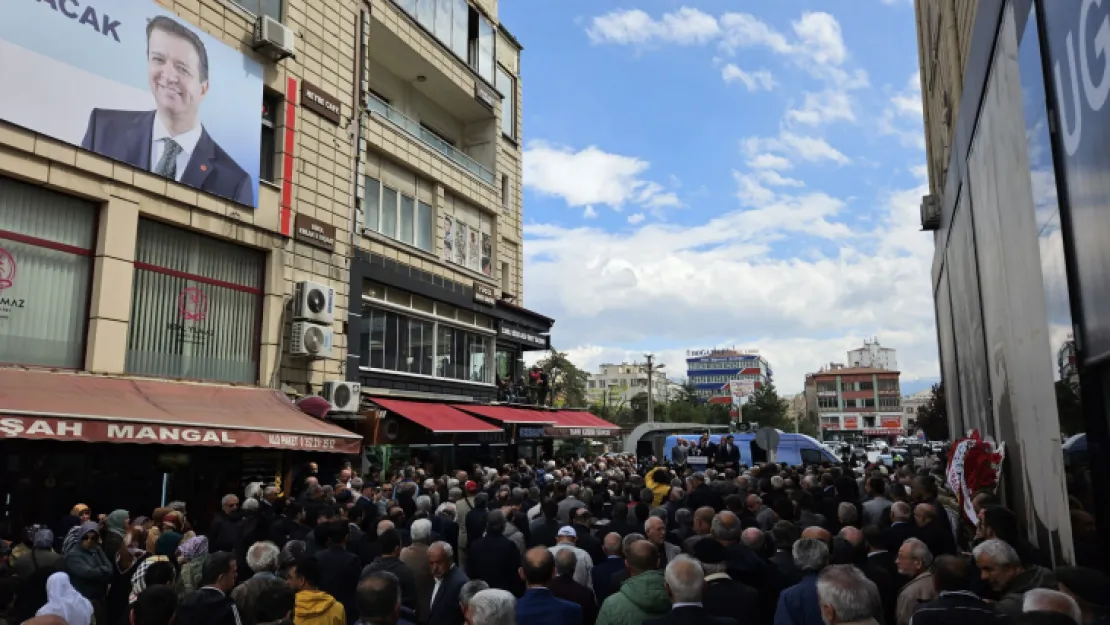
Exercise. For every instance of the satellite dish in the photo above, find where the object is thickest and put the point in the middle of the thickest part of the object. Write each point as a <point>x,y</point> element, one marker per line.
<point>767,438</point>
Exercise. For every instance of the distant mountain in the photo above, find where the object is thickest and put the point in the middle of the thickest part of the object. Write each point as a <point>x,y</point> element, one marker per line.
<point>909,387</point>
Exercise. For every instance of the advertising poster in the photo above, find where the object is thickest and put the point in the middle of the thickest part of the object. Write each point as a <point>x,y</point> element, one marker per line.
<point>487,255</point>
<point>448,238</point>
<point>473,259</point>
<point>741,390</point>
<point>851,423</point>
<point>890,423</point>
<point>462,231</point>
<point>135,83</point>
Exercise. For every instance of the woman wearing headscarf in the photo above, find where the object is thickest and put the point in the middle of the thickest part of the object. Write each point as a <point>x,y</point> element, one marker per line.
<point>115,528</point>
<point>63,600</point>
<point>77,515</point>
<point>89,568</point>
<point>40,556</point>
<point>127,559</point>
<point>155,527</point>
<point>191,554</point>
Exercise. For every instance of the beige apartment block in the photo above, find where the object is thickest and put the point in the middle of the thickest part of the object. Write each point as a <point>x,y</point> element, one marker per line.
<point>944,42</point>
<point>320,187</point>
<point>439,131</point>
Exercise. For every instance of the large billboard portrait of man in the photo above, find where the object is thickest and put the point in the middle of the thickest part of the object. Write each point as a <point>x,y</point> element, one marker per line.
<point>132,82</point>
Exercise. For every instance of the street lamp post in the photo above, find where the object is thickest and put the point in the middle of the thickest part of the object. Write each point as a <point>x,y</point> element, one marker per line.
<point>651,369</point>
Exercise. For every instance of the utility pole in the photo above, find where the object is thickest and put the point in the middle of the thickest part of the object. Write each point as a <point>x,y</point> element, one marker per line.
<point>651,369</point>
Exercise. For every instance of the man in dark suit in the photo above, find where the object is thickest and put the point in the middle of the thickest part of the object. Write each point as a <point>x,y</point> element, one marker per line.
<point>448,528</point>
<point>723,595</point>
<point>685,585</point>
<point>498,559</point>
<point>586,540</point>
<point>901,526</point>
<point>701,495</point>
<point>728,454</point>
<point>879,557</point>
<point>564,587</point>
<point>613,563</point>
<point>538,605</point>
<point>339,568</point>
<point>785,534</point>
<point>544,528</point>
<point>449,580</point>
<point>170,141</point>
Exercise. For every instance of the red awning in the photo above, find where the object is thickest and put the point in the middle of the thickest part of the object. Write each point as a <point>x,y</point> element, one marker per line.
<point>439,418</point>
<point>504,414</point>
<point>574,424</point>
<point>80,407</point>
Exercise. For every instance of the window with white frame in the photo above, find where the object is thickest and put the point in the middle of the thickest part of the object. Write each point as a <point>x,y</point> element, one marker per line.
<point>506,84</point>
<point>406,333</point>
<point>467,236</point>
<point>398,216</point>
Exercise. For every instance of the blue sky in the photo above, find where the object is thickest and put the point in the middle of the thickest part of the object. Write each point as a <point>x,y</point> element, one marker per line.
<point>718,173</point>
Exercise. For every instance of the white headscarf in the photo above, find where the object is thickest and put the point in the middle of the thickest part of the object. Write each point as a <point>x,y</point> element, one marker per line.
<point>63,600</point>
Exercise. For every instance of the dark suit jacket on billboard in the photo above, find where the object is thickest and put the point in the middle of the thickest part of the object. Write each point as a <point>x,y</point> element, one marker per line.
<point>126,136</point>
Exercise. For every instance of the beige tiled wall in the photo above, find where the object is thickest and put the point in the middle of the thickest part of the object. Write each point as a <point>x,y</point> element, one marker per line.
<point>325,37</point>
<point>383,140</point>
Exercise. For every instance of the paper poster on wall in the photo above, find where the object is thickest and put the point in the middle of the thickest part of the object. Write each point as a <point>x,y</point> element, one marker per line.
<point>448,238</point>
<point>461,233</point>
<point>474,252</point>
<point>487,255</point>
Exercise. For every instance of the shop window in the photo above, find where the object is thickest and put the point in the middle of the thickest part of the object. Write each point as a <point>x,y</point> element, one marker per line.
<point>196,307</point>
<point>394,341</point>
<point>46,243</point>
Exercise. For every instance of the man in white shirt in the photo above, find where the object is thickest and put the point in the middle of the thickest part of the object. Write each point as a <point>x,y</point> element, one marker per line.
<point>567,539</point>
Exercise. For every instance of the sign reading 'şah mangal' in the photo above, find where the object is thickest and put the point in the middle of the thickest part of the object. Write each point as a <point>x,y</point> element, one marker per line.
<point>115,432</point>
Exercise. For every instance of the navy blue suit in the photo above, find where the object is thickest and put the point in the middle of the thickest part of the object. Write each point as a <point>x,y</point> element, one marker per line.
<point>539,607</point>
<point>126,136</point>
<point>603,573</point>
<point>798,605</point>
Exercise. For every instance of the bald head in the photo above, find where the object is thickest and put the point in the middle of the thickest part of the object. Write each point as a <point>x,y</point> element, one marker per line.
<point>612,544</point>
<point>642,556</point>
<point>754,502</point>
<point>539,566</point>
<point>726,527</point>
<point>703,520</point>
<point>753,538</point>
<point>818,533</point>
<point>852,535</point>
<point>924,514</point>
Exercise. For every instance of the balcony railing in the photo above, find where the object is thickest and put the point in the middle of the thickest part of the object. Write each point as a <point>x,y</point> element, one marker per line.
<point>414,128</point>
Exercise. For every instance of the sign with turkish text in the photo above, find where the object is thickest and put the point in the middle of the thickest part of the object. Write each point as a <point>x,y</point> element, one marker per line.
<point>314,232</point>
<point>851,423</point>
<point>529,432</point>
<point>556,432</point>
<point>533,339</point>
<point>95,431</point>
<point>314,99</point>
<point>484,294</point>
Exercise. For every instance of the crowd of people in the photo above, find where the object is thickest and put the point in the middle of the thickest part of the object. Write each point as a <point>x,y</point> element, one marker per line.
<point>609,540</point>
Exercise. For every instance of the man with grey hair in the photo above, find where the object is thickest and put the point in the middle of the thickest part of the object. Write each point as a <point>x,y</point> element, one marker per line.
<point>845,595</point>
<point>798,605</point>
<point>564,587</point>
<point>567,538</point>
<point>914,560</point>
<point>901,526</point>
<point>685,583</point>
<point>1051,601</point>
<point>492,607</point>
<point>223,534</point>
<point>467,592</point>
<point>262,559</point>
<point>1000,566</point>
<point>847,514</point>
<point>754,539</point>
<point>444,608</point>
<point>415,557</point>
<point>569,504</point>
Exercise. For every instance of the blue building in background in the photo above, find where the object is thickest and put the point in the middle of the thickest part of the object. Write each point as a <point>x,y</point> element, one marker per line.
<point>714,371</point>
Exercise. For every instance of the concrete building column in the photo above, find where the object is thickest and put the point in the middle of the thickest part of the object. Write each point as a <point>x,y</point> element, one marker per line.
<point>113,273</point>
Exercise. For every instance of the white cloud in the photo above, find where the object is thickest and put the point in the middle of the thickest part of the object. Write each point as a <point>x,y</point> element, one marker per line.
<point>776,179</point>
<point>589,213</point>
<point>754,81</point>
<point>665,288</point>
<point>794,147</point>
<point>686,26</point>
<point>820,108</point>
<point>592,177</point>
<point>768,161</point>
<point>636,218</point>
<point>898,2</point>
<point>820,38</point>
<point>902,117</point>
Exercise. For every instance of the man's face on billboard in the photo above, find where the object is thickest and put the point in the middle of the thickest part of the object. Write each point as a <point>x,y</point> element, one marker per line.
<point>173,67</point>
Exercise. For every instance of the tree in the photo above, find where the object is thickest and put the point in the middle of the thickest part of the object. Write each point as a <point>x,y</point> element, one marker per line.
<point>566,382</point>
<point>932,418</point>
<point>766,408</point>
<point>687,394</point>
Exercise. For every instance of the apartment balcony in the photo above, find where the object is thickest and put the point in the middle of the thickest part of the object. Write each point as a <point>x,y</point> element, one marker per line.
<point>379,107</point>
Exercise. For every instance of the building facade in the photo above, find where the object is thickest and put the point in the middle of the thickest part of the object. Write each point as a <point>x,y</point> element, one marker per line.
<point>437,264</point>
<point>153,237</point>
<point>1020,263</point>
<point>712,372</point>
<point>911,404</point>
<point>873,356</point>
<point>853,402</point>
<point>616,384</point>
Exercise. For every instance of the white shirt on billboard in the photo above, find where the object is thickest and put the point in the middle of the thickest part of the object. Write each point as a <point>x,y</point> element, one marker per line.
<point>187,141</point>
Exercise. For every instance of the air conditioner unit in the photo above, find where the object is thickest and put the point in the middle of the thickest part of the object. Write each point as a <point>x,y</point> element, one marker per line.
<point>310,340</point>
<point>343,396</point>
<point>314,302</point>
<point>930,212</point>
<point>273,39</point>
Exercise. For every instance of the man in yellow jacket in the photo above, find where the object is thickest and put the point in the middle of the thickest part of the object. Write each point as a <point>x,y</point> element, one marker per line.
<point>658,480</point>
<point>314,606</point>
